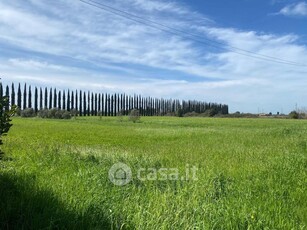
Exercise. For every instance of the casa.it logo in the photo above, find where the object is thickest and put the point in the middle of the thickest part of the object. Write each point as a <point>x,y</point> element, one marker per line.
<point>120,174</point>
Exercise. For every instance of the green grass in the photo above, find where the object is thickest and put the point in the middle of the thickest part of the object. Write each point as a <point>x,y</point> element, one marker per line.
<point>252,174</point>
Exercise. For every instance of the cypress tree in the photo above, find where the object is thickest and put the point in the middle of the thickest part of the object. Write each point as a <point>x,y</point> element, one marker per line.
<point>143,106</point>
<point>80,103</point>
<point>156,107</point>
<point>140,105</point>
<point>1,99</point>
<point>40,98</point>
<point>99,104</point>
<point>64,101</point>
<point>76,100</point>
<point>36,100</point>
<point>204,107</point>
<point>106,105</point>
<point>136,102</point>
<point>151,106</point>
<point>92,104</point>
<point>50,98</point>
<point>68,105</point>
<point>109,105</point>
<point>59,100</point>
<point>84,104</point>
<point>88,103</point>
<point>96,105</point>
<point>126,105</point>
<point>121,104</point>
<point>148,106</point>
<point>7,91</point>
<point>112,105</point>
<point>201,107</point>
<point>115,104</point>
<point>19,96</point>
<point>7,94</point>
<point>72,105</point>
<point>226,109</point>
<point>131,103</point>
<point>25,97</point>
<point>140,102</point>
<point>102,104</point>
<point>163,107</point>
<point>55,98</point>
<point>30,98</point>
<point>1,91</point>
<point>46,98</point>
<point>118,104</point>
<point>13,100</point>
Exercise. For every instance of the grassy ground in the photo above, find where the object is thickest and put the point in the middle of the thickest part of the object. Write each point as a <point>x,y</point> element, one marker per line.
<point>252,174</point>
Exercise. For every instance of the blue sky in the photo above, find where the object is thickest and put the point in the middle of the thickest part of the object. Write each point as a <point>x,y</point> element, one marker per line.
<point>72,45</point>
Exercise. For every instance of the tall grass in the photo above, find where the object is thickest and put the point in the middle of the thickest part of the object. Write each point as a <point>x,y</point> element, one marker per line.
<point>252,174</point>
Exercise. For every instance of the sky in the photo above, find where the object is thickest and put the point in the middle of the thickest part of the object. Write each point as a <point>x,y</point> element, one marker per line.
<point>249,54</point>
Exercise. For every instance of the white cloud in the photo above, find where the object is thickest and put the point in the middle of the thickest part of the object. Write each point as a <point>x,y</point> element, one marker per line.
<point>159,6</point>
<point>35,65</point>
<point>298,9</point>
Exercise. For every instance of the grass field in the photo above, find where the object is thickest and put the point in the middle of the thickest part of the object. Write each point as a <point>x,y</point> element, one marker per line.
<point>252,174</point>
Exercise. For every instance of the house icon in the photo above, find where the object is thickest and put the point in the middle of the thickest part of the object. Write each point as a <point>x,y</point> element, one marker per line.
<point>120,174</point>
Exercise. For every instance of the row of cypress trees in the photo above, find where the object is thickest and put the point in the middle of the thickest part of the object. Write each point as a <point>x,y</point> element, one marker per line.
<point>105,104</point>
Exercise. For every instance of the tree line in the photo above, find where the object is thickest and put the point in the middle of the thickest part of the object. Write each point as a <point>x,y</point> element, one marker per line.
<point>87,103</point>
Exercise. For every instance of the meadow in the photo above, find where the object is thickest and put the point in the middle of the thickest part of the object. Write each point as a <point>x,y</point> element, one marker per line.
<point>252,174</point>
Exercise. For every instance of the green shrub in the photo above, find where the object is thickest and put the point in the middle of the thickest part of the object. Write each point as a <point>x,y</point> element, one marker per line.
<point>5,117</point>
<point>43,113</point>
<point>74,113</point>
<point>29,112</point>
<point>294,115</point>
<point>56,114</point>
<point>212,112</point>
<point>134,115</point>
<point>120,116</point>
<point>18,111</point>
<point>59,114</point>
<point>179,112</point>
<point>52,113</point>
<point>66,115</point>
